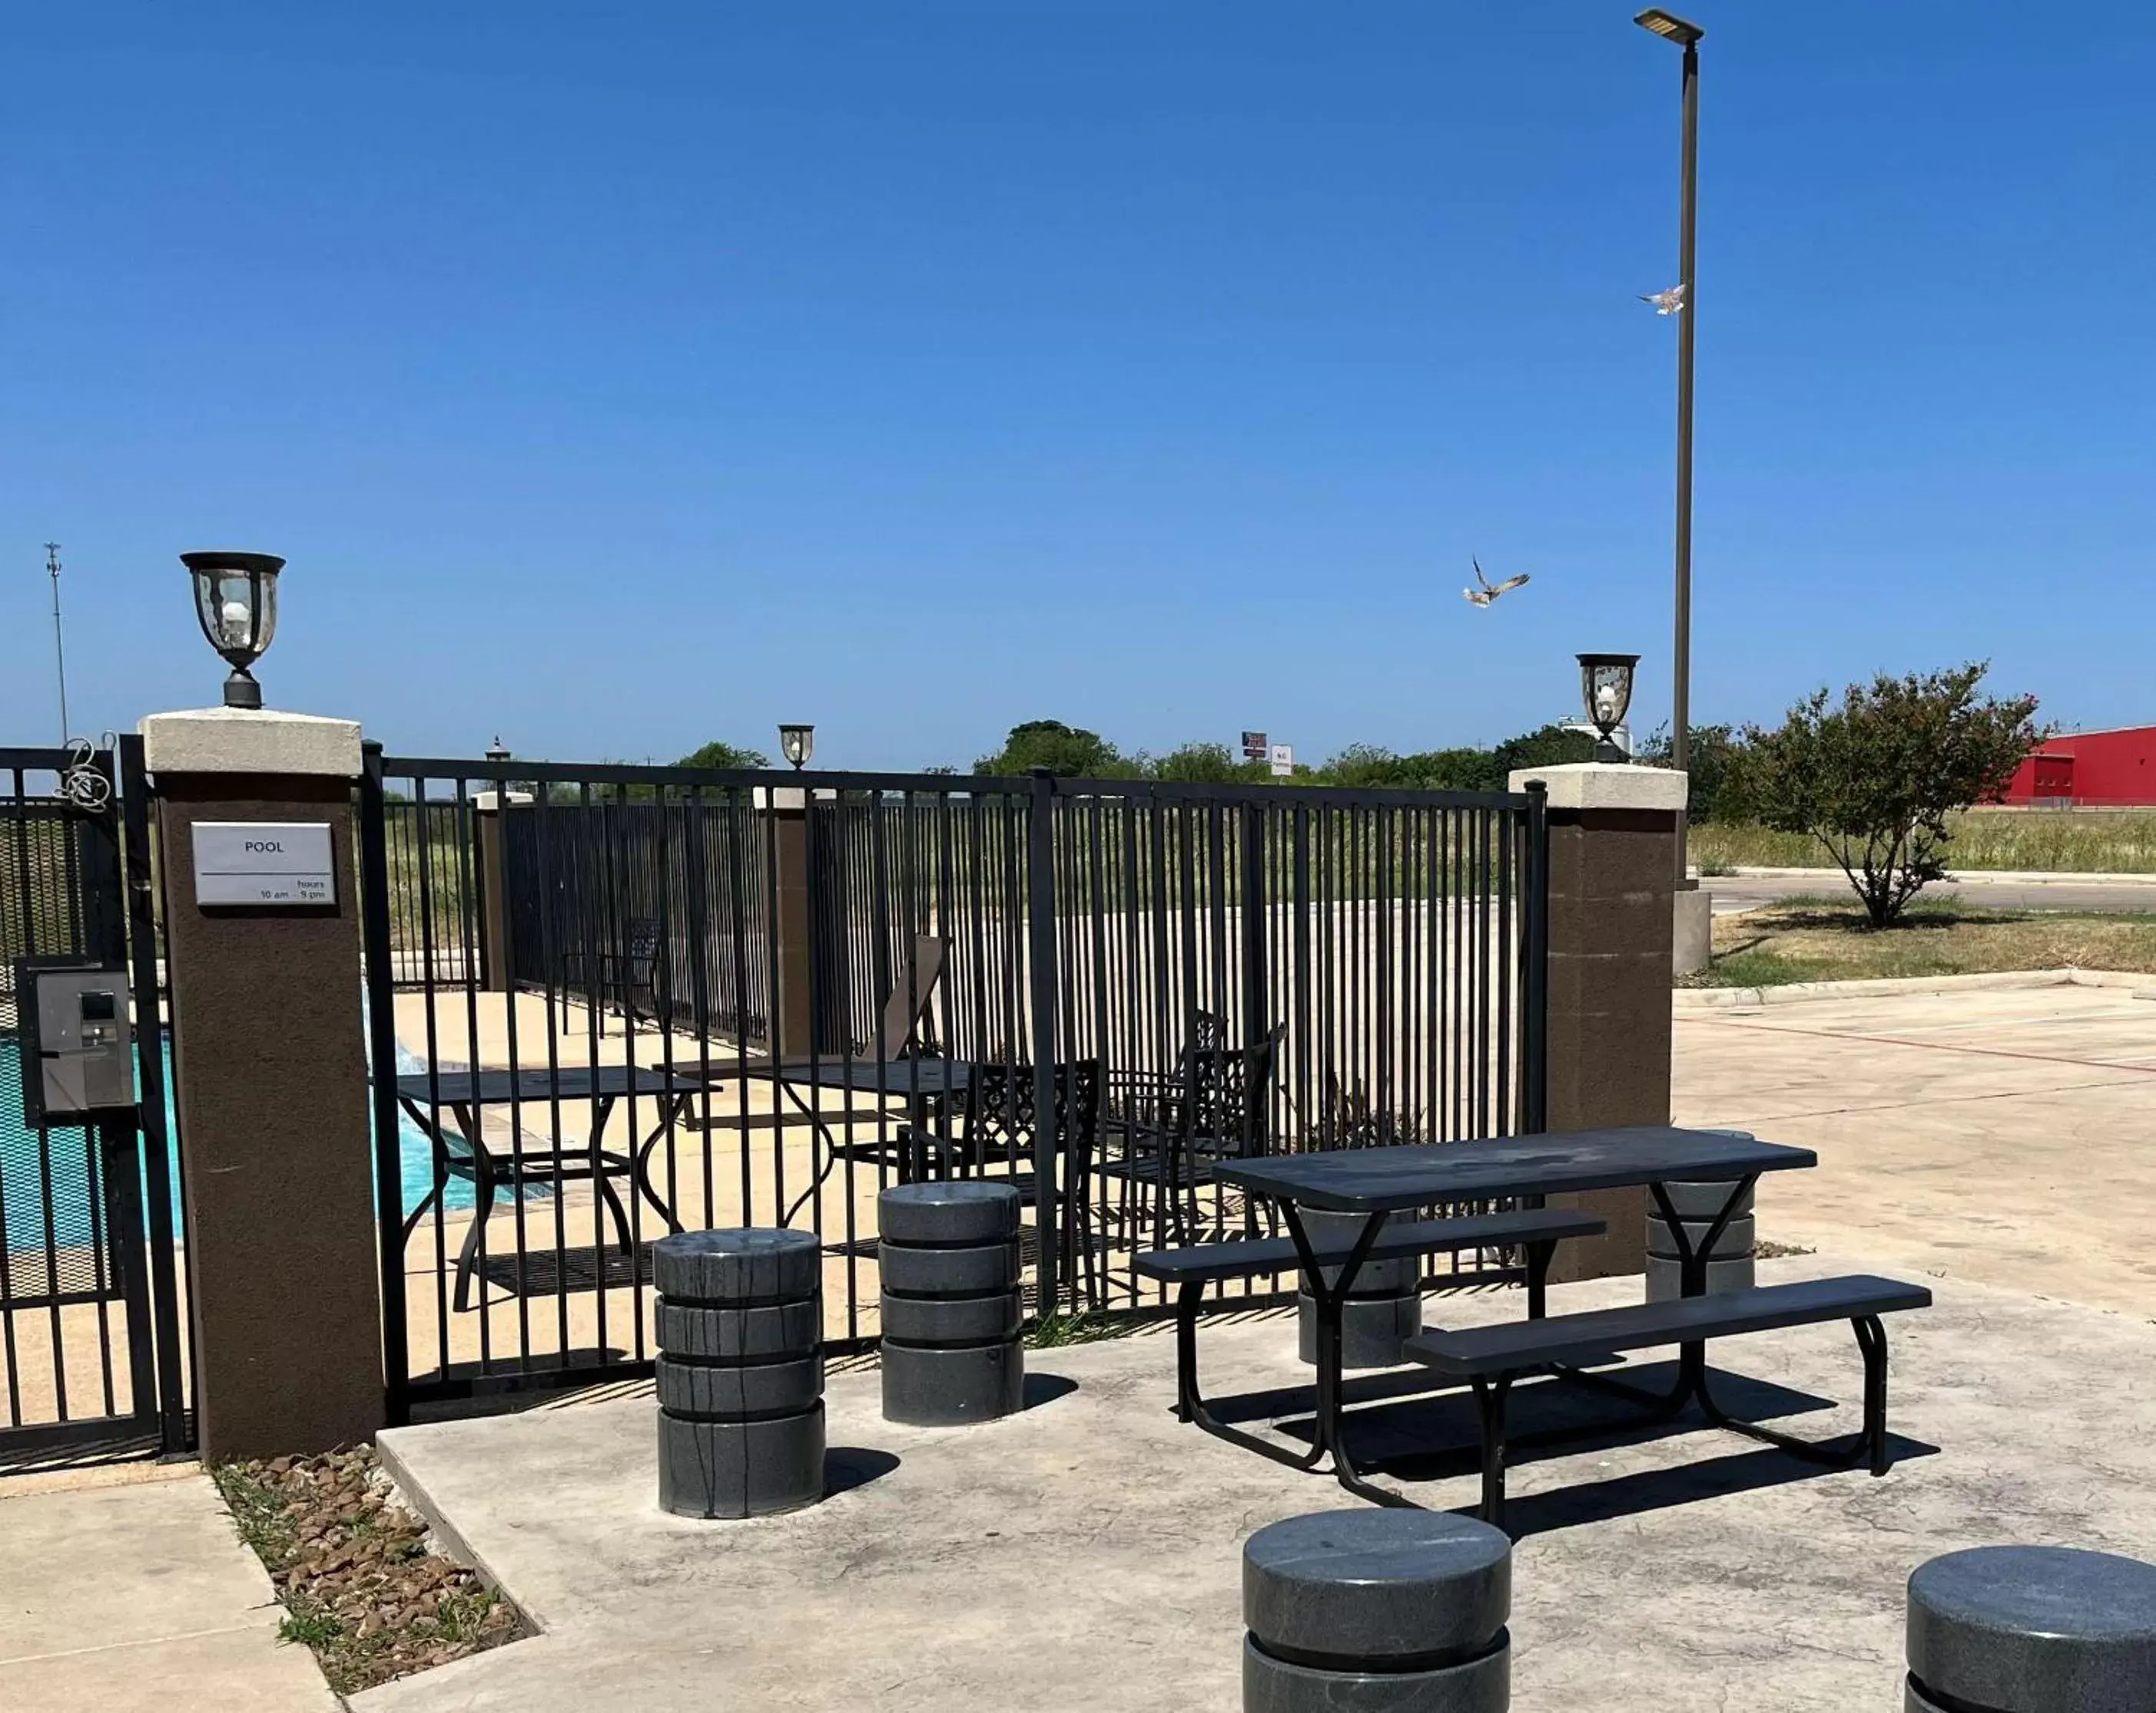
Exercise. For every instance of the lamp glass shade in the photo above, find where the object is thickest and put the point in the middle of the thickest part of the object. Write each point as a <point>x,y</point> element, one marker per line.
<point>796,743</point>
<point>1605,689</point>
<point>236,601</point>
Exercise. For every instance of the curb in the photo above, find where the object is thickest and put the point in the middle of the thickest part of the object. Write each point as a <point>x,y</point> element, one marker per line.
<point>2017,877</point>
<point>1884,988</point>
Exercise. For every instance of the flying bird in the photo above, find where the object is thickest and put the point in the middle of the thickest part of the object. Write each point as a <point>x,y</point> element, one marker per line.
<point>1665,303</point>
<point>1489,592</point>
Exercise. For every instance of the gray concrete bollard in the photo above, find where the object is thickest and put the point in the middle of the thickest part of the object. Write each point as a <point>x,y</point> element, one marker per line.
<point>739,1324</point>
<point>2032,1629</point>
<point>1731,1266</point>
<point>948,1253</point>
<point>1402,1611</point>
<point>1385,1309</point>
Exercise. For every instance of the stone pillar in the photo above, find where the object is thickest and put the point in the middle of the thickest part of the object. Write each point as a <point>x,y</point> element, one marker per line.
<point>1612,862</point>
<point>497,965</point>
<point>270,1074</point>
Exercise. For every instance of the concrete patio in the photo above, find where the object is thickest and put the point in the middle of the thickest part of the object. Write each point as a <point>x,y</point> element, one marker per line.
<point>1084,1555</point>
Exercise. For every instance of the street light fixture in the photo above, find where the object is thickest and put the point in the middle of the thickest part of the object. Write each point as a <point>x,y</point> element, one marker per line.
<point>1605,690</point>
<point>236,601</point>
<point>796,743</point>
<point>1686,35</point>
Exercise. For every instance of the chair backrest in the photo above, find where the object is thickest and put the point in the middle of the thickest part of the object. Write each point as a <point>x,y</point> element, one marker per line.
<point>1230,1089</point>
<point>907,1001</point>
<point>643,944</point>
<point>1002,1100</point>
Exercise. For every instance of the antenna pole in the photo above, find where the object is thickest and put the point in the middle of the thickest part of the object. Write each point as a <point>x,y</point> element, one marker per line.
<point>59,645</point>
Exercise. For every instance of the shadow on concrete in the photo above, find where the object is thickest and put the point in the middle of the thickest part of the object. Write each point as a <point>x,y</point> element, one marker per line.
<point>1643,1490</point>
<point>846,1467</point>
<point>1045,1388</point>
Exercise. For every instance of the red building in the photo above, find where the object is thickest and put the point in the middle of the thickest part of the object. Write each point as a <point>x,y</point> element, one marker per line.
<point>2098,769</point>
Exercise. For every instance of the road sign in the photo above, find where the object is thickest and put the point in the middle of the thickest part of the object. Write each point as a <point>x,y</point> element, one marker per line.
<point>1254,746</point>
<point>1282,758</point>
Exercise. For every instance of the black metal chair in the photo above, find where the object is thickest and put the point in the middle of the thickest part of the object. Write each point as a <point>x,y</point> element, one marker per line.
<point>1001,1102</point>
<point>630,979</point>
<point>1219,1107</point>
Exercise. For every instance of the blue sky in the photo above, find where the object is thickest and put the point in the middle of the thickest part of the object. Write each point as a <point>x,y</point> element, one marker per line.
<point>619,377</point>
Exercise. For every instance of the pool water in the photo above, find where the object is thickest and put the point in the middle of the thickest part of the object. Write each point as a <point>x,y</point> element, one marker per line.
<point>22,1180</point>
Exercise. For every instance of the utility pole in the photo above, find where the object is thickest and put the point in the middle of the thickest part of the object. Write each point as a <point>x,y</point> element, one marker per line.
<point>59,646</point>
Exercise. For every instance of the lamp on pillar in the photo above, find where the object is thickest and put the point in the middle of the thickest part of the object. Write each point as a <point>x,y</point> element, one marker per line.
<point>1605,687</point>
<point>796,743</point>
<point>236,601</point>
<point>497,752</point>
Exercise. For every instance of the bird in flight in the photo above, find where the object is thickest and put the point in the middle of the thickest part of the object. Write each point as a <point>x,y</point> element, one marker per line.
<point>1665,303</point>
<point>1489,592</point>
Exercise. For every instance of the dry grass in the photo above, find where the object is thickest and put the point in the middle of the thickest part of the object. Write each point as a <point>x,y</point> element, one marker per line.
<point>1828,940</point>
<point>2064,841</point>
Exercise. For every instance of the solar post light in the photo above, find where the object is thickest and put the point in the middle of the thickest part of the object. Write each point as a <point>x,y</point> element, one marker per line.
<point>796,743</point>
<point>1605,687</point>
<point>236,600</point>
<point>497,752</point>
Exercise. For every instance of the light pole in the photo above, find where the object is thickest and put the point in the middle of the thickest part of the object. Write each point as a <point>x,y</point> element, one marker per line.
<point>1673,28</point>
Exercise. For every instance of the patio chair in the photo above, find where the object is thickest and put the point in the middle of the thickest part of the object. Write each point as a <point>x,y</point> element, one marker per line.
<point>1001,1105</point>
<point>629,978</point>
<point>1219,1108</point>
<point>905,1010</point>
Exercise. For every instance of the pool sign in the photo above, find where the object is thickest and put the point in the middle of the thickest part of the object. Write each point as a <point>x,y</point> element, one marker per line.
<point>264,862</point>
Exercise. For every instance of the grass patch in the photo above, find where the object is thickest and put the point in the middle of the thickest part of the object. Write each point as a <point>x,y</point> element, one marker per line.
<point>1821,938</point>
<point>354,1571</point>
<point>2061,841</point>
<point>1060,1329</point>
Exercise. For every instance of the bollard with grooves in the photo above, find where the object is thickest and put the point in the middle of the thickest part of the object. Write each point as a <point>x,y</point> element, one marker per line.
<point>2032,1629</point>
<point>949,1258</point>
<point>739,1325</point>
<point>1729,1268</point>
<point>1385,1309</point>
<point>1389,1611</point>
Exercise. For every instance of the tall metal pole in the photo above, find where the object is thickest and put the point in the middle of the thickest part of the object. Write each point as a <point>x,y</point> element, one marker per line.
<point>1688,321</point>
<point>60,647</point>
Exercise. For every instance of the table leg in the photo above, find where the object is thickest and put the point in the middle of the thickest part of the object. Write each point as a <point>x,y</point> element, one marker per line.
<point>1328,1432</point>
<point>1691,1359</point>
<point>669,1115</point>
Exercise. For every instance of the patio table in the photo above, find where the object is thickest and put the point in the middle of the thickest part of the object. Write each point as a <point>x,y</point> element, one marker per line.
<point>923,1083</point>
<point>462,1095</point>
<point>1379,1182</point>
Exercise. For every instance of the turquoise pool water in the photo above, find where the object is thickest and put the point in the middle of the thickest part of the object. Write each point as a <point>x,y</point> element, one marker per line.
<point>22,1180</point>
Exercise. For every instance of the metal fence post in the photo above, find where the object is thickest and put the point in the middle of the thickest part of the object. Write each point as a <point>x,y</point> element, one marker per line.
<point>1534,979</point>
<point>1041,978</point>
<point>381,1051</point>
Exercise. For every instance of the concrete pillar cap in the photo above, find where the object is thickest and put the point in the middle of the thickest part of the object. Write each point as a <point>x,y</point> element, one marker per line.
<point>249,741</point>
<point>1606,785</point>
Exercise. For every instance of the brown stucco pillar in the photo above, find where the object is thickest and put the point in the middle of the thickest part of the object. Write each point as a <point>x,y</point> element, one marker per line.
<point>270,1077</point>
<point>1613,834</point>
<point>497,966</point>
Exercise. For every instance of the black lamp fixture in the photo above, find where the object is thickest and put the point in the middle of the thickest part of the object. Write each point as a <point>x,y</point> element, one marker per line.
<point>1605,687</point>
<point>796,743</point>
<point>1670,26</point>
<point>497,752</point>
<point>236,600</point>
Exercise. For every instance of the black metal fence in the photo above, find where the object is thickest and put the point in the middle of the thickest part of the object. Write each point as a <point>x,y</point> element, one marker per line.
<point>726,999</point>
<point>90,1285</point>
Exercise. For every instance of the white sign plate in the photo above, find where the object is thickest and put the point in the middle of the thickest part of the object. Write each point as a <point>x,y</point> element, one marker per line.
<point>264,862</point>
<point>1282,758</point>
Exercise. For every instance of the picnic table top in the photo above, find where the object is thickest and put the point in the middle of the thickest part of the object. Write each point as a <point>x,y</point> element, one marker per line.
<point>884,1076</point>
<point>1371,1180</point>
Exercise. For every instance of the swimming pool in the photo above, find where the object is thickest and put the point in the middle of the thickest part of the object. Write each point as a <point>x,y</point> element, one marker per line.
<point>22,1179</point>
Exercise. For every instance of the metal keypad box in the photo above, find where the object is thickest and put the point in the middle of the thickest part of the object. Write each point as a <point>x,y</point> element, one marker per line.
<point>78,1042</point>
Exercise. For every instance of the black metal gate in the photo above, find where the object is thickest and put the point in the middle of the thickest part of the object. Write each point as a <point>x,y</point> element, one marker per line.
<point>89,1289</point>
<point>590,989</point>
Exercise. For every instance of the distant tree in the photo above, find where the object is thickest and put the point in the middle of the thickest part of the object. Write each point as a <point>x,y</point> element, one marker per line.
<point>1713,754</point>
<point>1875,779</point>
<point>1204,764</point>
<point>1551,746</point>
<point>719,753</point>
<point>1070,752</point>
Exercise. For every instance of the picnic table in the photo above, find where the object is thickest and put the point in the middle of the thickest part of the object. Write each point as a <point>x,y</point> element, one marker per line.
<point>460,1148</point>
<point>1377,1182</point>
